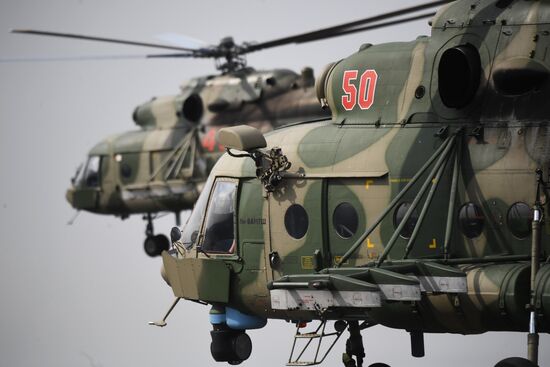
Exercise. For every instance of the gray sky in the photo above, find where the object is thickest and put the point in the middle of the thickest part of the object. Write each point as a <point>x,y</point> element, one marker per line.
<point>81,295</point>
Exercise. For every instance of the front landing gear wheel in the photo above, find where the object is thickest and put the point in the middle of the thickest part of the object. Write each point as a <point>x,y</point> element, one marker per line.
<point>154,245</point>
<point>515,362</point>
<point>379,365</point>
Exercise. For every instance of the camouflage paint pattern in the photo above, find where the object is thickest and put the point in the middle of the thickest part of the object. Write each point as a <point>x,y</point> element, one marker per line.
<point>391,111</point>
<point>137,175</point>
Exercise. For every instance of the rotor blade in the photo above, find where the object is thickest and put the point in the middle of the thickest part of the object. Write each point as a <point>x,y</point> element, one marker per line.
<point>181,40</point>
<point>91,58</point>
<point>177,55</point>
<point>328,32</point>
<point>374,26</point>
<point>100,39</point>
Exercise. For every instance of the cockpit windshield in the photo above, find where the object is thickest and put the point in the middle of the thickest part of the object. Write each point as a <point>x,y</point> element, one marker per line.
<point>218,232</point>
<point>192,227</point>
<point>89,176</point>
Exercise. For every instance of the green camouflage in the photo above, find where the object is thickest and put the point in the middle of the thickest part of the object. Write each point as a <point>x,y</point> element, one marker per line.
<point>469,105</point>
<point>365,157</point>
<point>163,166</point>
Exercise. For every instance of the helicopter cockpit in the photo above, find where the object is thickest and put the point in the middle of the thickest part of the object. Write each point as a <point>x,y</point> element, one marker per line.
<point>87,175</point>
<point>216,205</point>
<point>86,184</point>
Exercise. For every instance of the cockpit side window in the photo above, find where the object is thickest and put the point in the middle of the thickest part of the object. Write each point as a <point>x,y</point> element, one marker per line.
<point>219,232</point>
<point>90,178</point>
<point>192,227</point>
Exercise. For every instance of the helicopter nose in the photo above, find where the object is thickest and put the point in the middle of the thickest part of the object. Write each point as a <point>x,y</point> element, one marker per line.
<point>163,274</point>
<point>69,195</point>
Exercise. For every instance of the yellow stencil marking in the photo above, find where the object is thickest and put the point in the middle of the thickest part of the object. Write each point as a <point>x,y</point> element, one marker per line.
<point>433,244</point>
<point>307,262</point>
<point>337,260</point>
<point>399,180</point>
<point>368,183</point>
<point>369,243</point>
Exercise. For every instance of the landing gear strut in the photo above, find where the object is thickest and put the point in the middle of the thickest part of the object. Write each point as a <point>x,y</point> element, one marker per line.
<point>354,346</point>
<point>154,244</point>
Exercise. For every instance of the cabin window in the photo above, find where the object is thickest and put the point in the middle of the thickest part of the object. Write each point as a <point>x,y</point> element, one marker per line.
<point>296,221</point>
<point>471,220</point>
<point>398,216</point>
<point>91,172</point>
<point>519,220</point>
<point>219,233</point>
<point>345,220</point>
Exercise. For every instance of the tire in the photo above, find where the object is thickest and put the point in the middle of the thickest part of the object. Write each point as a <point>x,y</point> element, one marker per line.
<point>154,245</point>
<point>163,242</point>
<point>515,362</point>
<point>150,246</point>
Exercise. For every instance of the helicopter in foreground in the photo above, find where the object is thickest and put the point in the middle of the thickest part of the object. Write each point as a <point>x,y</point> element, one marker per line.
<point>419,205</point>
<point>162,167</point>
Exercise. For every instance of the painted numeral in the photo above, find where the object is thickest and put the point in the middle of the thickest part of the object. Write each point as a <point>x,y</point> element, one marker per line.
<point>367,89</point>
<point>348,100</point>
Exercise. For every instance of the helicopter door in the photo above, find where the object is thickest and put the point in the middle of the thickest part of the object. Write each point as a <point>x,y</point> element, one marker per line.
<point>296,230</point>
<point>350,203</point>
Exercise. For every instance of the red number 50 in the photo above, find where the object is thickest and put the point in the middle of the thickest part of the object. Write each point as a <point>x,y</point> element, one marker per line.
<point>367,89</point>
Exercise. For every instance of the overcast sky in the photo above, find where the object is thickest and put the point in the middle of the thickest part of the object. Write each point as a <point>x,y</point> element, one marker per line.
<point>81,295</point>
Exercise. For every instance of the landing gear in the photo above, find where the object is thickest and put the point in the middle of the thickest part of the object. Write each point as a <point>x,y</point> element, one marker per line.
<point>354,346</point>
<point>231,346</point>
<point>515,362</point>
<point>154,244</point>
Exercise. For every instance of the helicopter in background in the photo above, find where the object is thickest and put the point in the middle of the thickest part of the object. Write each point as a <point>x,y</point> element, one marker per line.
<point>419,205</point>
<point>163,166</point>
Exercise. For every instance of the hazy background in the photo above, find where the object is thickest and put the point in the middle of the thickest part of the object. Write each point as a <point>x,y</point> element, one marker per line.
<point>81,295</point>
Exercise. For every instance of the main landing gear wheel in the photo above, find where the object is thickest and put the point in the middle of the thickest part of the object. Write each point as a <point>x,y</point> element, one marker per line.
<point>515,362</point>
<point>154,245</point>
<point>379,365</point>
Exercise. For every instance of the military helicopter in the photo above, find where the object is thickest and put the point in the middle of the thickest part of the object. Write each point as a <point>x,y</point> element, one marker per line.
<point>163,166</point>
<point>419,205</point>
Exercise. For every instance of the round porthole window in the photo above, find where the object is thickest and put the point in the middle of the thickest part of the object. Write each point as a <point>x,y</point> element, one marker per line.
<point>471,220</point>
<point>125,170</point>
<point>398,216</point>
<point>296,221</point>
<point>519,220</point>
<point>345,220</point>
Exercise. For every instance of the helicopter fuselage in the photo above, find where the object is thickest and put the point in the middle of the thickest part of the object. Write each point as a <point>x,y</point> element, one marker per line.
<point>413,206</point>
<point>163,166</point>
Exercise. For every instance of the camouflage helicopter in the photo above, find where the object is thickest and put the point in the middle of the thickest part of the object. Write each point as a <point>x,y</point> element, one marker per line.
<point>419,205</point>
<point>163,166</point>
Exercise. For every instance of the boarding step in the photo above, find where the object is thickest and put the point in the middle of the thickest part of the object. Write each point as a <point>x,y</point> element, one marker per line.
<point>297,354</point>
<point>307,336</point>
<point>301,364</point>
